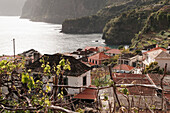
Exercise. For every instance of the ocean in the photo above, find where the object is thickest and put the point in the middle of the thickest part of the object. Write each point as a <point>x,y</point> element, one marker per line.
<point>43,37</point>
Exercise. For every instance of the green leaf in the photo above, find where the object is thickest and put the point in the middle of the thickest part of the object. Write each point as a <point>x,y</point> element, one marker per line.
<point>62,62</point>
<point>47,102</point>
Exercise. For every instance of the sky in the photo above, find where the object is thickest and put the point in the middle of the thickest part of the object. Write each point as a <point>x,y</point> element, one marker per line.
<point>11,7</point>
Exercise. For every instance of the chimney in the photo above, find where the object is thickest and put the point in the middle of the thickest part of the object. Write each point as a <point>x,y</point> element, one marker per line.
<point>97,49</point>
<point>36,56</point>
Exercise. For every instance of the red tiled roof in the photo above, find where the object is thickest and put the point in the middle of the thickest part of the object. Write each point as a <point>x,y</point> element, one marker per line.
<point>127,75</point>
<point>155,49</point>
<point>156,78</point>
<point>167,95</point>
<point>87,94</point>
<point>99,56</point>
<point>114,51</point>
<point>123,67</point>
<point>107,48</point>
<point>100,47</point>
<point>123,78</point>
<point>91,48</point>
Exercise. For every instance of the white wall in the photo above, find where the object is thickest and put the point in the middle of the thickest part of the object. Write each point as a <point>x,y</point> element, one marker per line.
<point>78,81</point>
<point>162,63</point>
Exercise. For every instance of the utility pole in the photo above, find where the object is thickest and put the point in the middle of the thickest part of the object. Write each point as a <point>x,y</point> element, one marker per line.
<point>14,47</point>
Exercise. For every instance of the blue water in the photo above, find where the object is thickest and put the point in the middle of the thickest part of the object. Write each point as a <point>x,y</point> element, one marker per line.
<point>43,37</point>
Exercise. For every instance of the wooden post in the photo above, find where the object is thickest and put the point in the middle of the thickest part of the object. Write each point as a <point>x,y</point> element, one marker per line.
<point>114,88</point>
<point>162,105</point>
<point>55,82</point>
<point>0,85</point>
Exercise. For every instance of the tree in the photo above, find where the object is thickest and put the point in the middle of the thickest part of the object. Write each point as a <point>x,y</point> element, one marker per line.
<point>21,93</point>
<point>153,68</point>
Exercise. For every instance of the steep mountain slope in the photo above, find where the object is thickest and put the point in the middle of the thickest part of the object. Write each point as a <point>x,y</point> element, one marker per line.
<point>155,31</point>
<point>11,7</point>
<point>122,29</point>
<point>96,23</point>
<point>56,11</point>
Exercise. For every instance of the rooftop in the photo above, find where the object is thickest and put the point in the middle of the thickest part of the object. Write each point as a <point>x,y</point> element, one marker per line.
<point>99,56</point>
<point>156,78</point>
<point>114,51</point>
<point>163,55</point>
<point>77,67</point>
<point>90,94</point>
<point>157,48</point>
<point>126,56</point>
<point>123,67</point>
<point>122,78</point>
<point>125,78</point>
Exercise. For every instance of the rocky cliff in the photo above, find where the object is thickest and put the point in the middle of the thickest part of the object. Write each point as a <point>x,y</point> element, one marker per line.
<point>56,11</point>
<point>96,23</point>
<point>11,7</point>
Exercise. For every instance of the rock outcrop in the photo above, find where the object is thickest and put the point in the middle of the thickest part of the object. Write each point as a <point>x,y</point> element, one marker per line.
<point>56,11</point>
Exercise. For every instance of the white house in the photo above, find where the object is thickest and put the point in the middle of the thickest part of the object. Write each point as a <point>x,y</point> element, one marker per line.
<point>79,75</point>
<point>130,59</point>
<point>159,55</point>
<point>113,52</point>
<point>82,80</point>
<point>150,56</point>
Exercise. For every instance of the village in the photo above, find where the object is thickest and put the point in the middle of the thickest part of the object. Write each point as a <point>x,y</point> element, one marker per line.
<point>104,79</point>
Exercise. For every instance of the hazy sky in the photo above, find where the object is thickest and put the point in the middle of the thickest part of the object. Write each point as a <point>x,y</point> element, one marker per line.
<point>11,7</point>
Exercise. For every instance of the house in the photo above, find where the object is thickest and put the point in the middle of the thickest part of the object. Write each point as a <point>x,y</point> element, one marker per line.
<point>124,78</point>
<point>122,68</point>
<point>162,59</point>
<point>102,49</point>
<point>96,49</point>
<point>32,54</point>
<point>81,54</point>
<point>156,79</point>
<point>79,75</point>
<point>130,59</point>
<point>17,58</point>
<point>159,55</point>
<point>113,52</point>
<point>168,49</point>
<point>98,58</point>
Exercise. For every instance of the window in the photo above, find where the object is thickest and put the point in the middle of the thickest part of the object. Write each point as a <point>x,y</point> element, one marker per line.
<point>126,62</point>
<point>65,81</point>
<point>134,64</point>
<point>84,81</point>
<point>96,61</point>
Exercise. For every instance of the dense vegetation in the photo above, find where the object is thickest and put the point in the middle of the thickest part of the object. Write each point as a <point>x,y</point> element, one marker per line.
<point>122,29</point>
<point>96,23</point>
<point>155,31</point>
